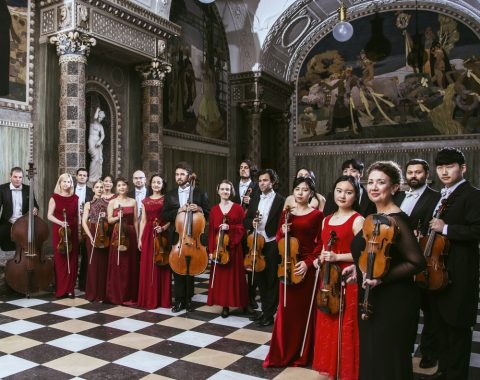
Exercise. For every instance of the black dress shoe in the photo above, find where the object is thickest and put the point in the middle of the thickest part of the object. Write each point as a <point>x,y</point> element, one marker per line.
<point>71,295</point>
<point>265,322</point>
<point>178,306</point>
<point>427,362</point>
<point>249,311</point>
<point>225,312</point>
<point>253,304</point>
<point>189,306</point>
<point>436,376</point>
<point>256,316</point>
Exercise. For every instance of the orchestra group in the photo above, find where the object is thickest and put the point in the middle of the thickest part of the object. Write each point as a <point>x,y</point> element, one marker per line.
<point>342,278</point>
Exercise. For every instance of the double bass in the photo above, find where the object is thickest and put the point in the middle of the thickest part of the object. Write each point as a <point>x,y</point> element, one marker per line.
<point>435,249</point>
<point>189,256</point>
<point>29,271</point>
<point>328,296</point>
<point>379,232</point>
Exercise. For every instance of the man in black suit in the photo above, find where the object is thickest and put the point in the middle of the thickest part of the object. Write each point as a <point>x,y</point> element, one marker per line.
<point>247,185</point>
<point>140,192</point>
<point>14,199</point>
<point>176,201</point>
<point>85,194</point>
<point>354,168</point>
<point>419,204</point>
<point>270,206</point>
<point>455,307</point>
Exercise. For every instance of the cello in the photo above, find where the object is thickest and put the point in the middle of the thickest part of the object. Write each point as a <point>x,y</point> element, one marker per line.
<point>29,271</point>
<point>188,256</point>
<point>379,232</point>
<point>435,249</point>
<point>328,296</point>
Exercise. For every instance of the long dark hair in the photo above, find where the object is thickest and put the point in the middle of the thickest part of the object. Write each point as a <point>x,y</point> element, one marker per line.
<point>310,183</point>
<point>164,183</point>
<point>356,188</point>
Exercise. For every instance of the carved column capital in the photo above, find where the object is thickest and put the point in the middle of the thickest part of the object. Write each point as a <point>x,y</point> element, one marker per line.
<point>153,73</point>
<point>253,107</point>
<point>73,46</point>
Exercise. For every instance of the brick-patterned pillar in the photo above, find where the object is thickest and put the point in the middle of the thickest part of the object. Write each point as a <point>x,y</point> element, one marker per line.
<point>73,49</point>
<point>152,116</point>
<point>253,112</point>
<point>282,121</point>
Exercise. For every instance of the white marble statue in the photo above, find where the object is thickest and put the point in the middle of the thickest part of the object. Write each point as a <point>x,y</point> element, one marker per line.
<point>95,147</point>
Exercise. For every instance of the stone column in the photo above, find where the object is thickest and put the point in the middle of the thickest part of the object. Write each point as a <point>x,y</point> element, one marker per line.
<point>282,122</point>
<point>253,112</point>
<point>152,116</point>
<point>73,49</point>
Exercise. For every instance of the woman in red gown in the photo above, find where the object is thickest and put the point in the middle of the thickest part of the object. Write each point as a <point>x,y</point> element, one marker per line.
<point>290,326</point>
<point>93,222</point>
<point>346,223</point>
<point>154,288</point>
<point>66,266</point>
<point>122,274</point>
<point>228,284</point>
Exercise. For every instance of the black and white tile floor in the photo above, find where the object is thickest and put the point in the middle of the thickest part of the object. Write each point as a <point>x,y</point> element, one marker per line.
<point>45,338</point>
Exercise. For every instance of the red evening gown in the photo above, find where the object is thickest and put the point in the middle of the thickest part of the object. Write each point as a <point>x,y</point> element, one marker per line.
<point>230,284</point>
<point>326,328</point>
<point>154,290</point>
<point>65,280</point>
<point>291,321</point>
<point>98,258</point>
<point>122,274</point>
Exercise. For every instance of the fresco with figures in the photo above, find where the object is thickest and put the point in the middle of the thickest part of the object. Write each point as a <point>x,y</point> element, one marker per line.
<point>402,74</point>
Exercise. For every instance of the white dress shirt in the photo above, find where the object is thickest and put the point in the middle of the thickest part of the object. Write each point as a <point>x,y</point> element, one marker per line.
<point>139,197</point>
<point>411,199</point>
<point>264,206</point>
<point>445,193</point>
<point>242,188</point>
<point>81,191</point>
<point>17,203</point>
<point>183,195</point>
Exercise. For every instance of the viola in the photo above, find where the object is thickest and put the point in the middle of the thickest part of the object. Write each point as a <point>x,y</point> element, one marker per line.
<point>64,245</point>
<point>101,238</point>
<point>222,254</point>
<point>379,232</point>
<point>254,261</point>
<point>120,233</point>
<point>29,271</point>
<point>189,256</point>
<point>328,295</point>
<point>247,194</point>
<point>160,246</point>
<point>435,249</point>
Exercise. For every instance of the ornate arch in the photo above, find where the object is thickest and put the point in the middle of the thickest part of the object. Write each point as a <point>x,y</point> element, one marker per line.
<point>96,84</point>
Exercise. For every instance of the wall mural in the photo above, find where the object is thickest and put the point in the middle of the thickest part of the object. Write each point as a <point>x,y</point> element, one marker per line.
<point>408,73</point>
<point>196,90</point>
<point>14,42</point>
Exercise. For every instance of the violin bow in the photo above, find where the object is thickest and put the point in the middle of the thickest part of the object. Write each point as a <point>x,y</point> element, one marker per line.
<point>94,238</point>
<point>340,327</point>
<point>119,233</point>
<point>216,253</point>
<point>255,235</point>
<point>286,237</point>
<point>153,253</point>
<point>66,239</point>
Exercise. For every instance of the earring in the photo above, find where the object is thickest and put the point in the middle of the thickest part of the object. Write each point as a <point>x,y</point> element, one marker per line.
<point>393,192</point>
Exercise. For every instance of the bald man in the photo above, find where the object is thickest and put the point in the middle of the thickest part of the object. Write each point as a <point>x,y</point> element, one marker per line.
<point>141,190</point>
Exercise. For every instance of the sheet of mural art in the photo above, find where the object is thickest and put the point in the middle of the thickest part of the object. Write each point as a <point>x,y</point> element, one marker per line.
<point>402,74</point>
<point>14,35</point>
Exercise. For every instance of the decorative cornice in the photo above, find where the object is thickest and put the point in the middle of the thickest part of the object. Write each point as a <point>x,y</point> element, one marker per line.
<point>15,124</point>
<point>73,44</point>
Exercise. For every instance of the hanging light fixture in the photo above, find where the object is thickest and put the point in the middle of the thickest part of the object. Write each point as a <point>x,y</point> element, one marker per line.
<point>343,31</point>
<point>206,1</point>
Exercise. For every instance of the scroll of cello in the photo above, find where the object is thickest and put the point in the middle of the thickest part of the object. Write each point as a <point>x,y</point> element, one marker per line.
<point>435,249</point>
<point>379,232</point>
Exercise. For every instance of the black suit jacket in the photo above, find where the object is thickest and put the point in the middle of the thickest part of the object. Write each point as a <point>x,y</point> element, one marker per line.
<point>458,302</point>
<point>253,185</point>
<point>271,225</point>
<point>423,210</point>
<point>172,204</point>
<point>367,207</point>
<point>6,201</point>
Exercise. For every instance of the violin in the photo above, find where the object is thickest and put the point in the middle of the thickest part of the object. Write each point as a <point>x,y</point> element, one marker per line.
<point>288,248</point>
<point>247,194</point>
<point>435,249</point>
<point>101,238</point>
<point>82,235</point>
<point>120,233</point>
<point>254,261</point>
<point>29,271</point>
<point>64,245</point>
<point>328,295</point>
<point>189,256</point>
<point>379,232</point>
<point>222,254</point>
<point>160,246</point>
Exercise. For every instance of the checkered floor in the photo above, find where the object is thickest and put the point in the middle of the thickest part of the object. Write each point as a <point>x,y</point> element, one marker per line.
<point>45,338</point>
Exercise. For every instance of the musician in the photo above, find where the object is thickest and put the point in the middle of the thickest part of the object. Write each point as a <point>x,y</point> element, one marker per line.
<point>317,201</point>
<point>14,198</point>
<point>108,192</point>
<point>388,335</point>
<point>85,194</point>
<point>419,204</point>
<point>346,222</point>
<point>141,191</point>
<point>122,273</point>
<point>270,205</point>
<point>97,258</point>
<point>455,307</point>
<point>247,184</point>
<point>354,168</point>
<point>154,288</point>
<point>292,320</point>
<point>63,200</point>
<point>227,285</point>
<point>176,202</point>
